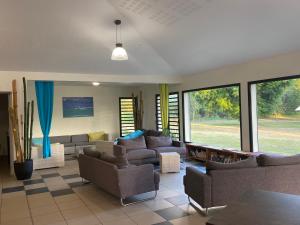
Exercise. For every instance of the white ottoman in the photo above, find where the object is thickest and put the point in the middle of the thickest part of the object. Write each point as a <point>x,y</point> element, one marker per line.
<point>169,162</point>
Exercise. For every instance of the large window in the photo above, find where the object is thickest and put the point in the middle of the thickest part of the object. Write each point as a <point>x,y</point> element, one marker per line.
<point>275,115</point>
<point>173,114</point>
<point>126,116</point>
<point>212,116</point>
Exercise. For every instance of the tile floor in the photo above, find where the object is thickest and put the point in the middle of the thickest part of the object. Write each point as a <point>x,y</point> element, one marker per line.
<point>58,197</point>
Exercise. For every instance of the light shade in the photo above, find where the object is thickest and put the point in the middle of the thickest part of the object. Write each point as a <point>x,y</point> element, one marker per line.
<point>96,84</point>
<point>298,109</point>
<point>119,53</point>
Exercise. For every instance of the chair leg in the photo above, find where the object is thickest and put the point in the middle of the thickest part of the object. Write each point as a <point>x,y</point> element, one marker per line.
<point>143,200</point>
<point>199,210</point>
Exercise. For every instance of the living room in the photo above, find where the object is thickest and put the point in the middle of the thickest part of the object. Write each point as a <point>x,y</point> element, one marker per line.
<point>225,131</point>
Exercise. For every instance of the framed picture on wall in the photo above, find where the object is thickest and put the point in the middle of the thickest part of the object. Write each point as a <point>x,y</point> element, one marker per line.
<point>78,107</point>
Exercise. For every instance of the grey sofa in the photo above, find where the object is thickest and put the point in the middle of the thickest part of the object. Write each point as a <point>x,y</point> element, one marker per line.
<point>146,148</point>
<point>116,176</point>
<point>225,183</point>
<point>71,142</point>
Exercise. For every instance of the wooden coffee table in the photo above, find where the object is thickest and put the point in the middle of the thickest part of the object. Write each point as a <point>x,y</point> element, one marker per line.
<point>260,208</point>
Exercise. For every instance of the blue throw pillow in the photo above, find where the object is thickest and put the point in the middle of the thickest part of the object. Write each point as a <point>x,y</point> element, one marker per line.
<point>133,135</point>
<point>37,141</point>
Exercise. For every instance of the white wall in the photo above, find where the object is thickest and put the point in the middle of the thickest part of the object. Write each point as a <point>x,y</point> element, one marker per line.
<point>106,110</point>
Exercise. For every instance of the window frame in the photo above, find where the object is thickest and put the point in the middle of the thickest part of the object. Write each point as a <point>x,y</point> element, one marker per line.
<point>250,111</point>
<point>209,88</point>
<point>178,106</point>
<point>120,114</point>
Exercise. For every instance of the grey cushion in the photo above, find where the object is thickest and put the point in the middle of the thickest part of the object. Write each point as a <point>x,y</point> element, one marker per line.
<point>120,162</point>
<point>247,163</point>
<point>179,150</point>
<point>69,145</point>
<point>92,153</point>
<point>79,138</point>
<point>141,154</point>
<point>61,139</point>
<point>152,133</point>
<point>133,144</point>
<point>82,143</point>
<point>161,141</point>
<point>277,160</point>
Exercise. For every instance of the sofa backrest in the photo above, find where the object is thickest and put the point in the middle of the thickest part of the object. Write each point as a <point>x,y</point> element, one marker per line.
<point>228,185</point>
<point>60,139</point>
<point>99,172</point>
<point>80,138</point>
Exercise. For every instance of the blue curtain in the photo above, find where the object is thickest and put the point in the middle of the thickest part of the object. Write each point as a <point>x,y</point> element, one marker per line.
<point>44,94</point>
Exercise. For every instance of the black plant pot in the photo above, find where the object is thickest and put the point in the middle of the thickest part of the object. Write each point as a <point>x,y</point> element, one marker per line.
<point>23,171</point>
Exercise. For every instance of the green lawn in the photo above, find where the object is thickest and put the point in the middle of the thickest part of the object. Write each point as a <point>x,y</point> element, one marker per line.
<point>275,135</point>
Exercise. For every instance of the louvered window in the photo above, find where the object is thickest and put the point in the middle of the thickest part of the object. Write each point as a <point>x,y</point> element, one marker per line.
<point>173,115</point>
<point>126,116</point>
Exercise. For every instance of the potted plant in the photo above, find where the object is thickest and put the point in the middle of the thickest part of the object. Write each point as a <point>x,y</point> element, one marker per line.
<point>23,164</point>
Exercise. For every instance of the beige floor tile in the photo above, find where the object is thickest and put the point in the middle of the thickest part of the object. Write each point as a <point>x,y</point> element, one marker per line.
<point>14,215</point>
<point>194,219</point>
<point>44,210</point>
<point>49,219</point>
<point>46,171</point>
<point>135,209</point>
<point>147,218</point>
<point>66,198</point>
<point>85,220</point>
<point>158,204</point>
<point>73,180</point>
<point>38,200</point>
<point>26,221</point>
<point>70,204</point>
<point>75,213</point>
<point>110,215</point>
<point>120,222</point>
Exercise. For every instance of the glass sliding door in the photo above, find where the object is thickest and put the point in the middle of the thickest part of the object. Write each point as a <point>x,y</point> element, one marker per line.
<point>212,116</point>
<point>275,106</point>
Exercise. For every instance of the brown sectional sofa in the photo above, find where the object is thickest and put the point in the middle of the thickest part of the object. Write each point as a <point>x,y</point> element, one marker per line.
<point>225,183</point>
<point>146,148</point>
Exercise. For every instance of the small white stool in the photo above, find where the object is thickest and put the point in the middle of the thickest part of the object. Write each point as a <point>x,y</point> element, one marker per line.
<point>169,162</point>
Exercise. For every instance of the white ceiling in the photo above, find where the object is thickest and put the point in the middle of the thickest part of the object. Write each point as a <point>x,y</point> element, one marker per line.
<point>162,37</point>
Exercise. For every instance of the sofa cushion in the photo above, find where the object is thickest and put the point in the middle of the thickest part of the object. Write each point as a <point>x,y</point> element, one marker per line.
<point>83,143</point>
<point>60,139</point>
<point>179,150</point>
<point>96,136</point>
<point>160,141</point>
<point>246,163</point>
<point>91,152</point>
<point>133,144</point>
<point>141,154</point>
<point>69,145</point>
<point>120,162</point>
<point>277,160</point>
<point>79,138</point>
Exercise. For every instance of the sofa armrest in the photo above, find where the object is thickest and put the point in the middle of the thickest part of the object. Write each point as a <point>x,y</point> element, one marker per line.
<point>119,150</point>
<point>197,185</point>
<point>135,180</point>
<point>177,143</point>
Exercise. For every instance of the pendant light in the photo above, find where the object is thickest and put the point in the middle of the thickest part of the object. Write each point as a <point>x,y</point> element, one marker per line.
<point>119,53</point>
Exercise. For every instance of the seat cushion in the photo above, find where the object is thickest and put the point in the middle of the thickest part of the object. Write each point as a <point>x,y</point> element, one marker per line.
<point>68,144</point>
<point>79,138</point>
<point>82,143</point>
<point>60,139</point>
<point>277,160</point>
<point>141,154</point>
<point>179,150</point>
<point>246,163</point>
<point>133,144</point>
<point>161,141</point>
